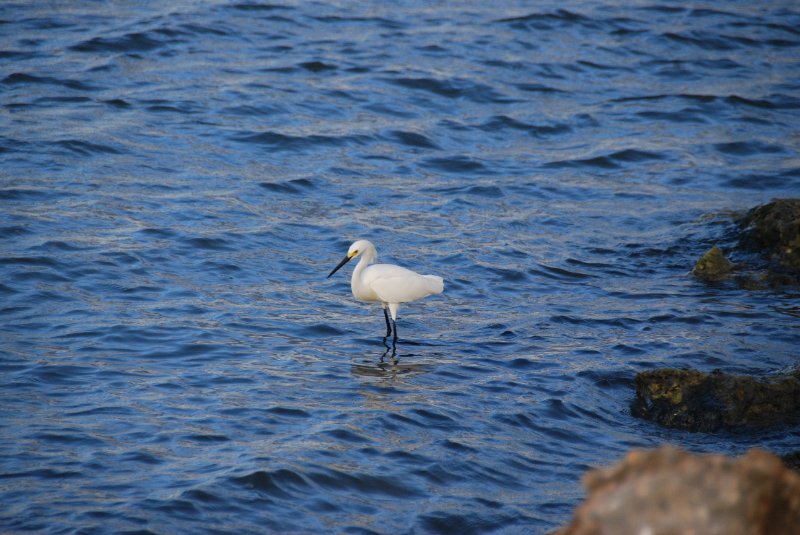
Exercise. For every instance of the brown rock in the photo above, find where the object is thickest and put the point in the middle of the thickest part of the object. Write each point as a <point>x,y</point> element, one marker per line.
<point>696,401</point>
<point>671,492</point>
<point>713,265</point>
<point>775,228</point>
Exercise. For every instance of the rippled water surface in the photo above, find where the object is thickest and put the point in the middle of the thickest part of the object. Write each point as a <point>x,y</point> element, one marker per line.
<point>178,178</point>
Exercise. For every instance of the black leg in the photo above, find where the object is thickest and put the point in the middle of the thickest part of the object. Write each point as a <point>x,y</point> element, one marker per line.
<point>394,339</point>
<point>388,325</point>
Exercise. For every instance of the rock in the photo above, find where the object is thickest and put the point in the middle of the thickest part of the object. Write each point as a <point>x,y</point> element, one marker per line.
<point>671,492</point>
<point>695,401</point>
<point>775,228</point>
<point>713,266</point>
<point>767,249</point>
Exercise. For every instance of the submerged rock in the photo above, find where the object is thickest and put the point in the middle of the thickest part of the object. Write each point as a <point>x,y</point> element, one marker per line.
<point>670,491</point>
<point>775,229</point>
<point>713,265</point>
<point>696,401</point>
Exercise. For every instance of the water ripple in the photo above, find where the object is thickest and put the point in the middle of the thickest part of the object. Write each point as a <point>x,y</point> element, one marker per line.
<point>20,78</point>
<point>128,43</point>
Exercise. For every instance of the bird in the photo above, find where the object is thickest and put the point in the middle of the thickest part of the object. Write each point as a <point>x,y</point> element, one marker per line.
<point>387,284</point>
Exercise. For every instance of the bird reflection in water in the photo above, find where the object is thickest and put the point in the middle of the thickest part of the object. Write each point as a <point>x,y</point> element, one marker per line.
<point>389,365</point>
<point>393,349</point>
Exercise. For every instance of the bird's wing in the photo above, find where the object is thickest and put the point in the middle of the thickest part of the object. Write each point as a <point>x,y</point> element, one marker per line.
<point>394,284</point>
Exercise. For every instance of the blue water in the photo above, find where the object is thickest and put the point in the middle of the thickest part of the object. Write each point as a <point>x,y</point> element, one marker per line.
<point>178,178</point>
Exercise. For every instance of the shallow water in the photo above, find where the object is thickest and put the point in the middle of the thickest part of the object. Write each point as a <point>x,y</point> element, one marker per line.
<point>178,178</point>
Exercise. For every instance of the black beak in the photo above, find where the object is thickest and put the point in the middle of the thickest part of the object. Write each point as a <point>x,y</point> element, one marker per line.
<point>345,260</point>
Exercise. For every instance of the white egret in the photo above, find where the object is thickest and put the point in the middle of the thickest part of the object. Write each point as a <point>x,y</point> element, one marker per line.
<point>385,283</point>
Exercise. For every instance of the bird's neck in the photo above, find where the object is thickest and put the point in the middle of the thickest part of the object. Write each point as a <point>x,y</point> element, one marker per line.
<point>365,260</point>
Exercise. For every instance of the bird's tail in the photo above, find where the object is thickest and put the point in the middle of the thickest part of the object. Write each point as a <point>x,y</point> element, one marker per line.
<point>435,284</point>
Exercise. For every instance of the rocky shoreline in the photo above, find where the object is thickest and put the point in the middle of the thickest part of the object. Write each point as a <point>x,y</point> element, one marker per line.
<point>670,491</point>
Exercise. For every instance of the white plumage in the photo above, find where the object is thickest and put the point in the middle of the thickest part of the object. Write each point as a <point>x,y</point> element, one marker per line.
<point>387,284</point>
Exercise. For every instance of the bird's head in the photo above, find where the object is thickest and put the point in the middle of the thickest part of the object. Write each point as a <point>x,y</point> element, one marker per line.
<point>359,247</point>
